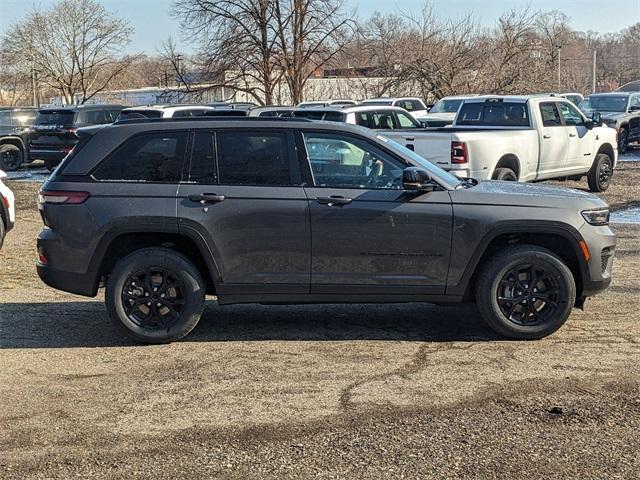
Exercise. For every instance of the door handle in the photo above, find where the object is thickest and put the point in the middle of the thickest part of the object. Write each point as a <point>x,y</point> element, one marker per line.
<point>206,198</point>
<point>546,136</point>
<point>334,200</point>
<point>572,134</point>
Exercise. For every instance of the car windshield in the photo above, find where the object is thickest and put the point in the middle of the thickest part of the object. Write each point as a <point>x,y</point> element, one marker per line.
<point>55,117</point>
<point>446,106</point>
<point>433,170</point>
<point>608,103</point>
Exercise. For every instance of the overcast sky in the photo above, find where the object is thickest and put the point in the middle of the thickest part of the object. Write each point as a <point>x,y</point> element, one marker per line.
<point>153,23</point>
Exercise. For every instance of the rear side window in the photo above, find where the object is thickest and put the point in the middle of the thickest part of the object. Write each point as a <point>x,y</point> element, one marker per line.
<point>550,115</point>
<point>375,120</point>
<point>252,158</point>
<point>151,157</point>
<point>494,114</point>
<point>93,117</point>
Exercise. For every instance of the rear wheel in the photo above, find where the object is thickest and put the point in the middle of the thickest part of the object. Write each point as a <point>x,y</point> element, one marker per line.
<point>525,292</point>
<point>599,177</point>
<point>155,295</point>
<point>10,157</point>
<point>505,174</point>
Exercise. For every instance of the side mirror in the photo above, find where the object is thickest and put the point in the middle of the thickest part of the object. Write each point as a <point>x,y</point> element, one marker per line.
<point>416,179</point>
<point>596,118</point>
<point>589,124</point>
<point>423,124</point>
<point>634,108</point>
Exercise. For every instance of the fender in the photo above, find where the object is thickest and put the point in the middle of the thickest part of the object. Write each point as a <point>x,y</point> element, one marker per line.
<point>14,138</point>
<point>516,227</point>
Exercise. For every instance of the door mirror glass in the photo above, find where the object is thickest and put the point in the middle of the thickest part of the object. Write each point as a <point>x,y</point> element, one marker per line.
<point>596,118</point>
<point>414,178</point>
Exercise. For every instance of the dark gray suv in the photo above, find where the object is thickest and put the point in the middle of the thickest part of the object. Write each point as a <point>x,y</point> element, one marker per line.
<point>275,211</point>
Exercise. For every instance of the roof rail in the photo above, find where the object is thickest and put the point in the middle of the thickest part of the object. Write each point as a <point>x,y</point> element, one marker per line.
<point>210,119</point>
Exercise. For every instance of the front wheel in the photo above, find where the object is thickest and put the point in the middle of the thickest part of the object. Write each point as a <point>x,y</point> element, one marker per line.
<point>525,292</point>
<point>599,177</point>
<point>155,295</point>
<point>10,158</point>
<point>623,140</point>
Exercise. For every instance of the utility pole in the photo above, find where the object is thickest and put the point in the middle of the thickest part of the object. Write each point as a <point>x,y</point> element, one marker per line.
<point>559,47</point>
<point>593,78</point>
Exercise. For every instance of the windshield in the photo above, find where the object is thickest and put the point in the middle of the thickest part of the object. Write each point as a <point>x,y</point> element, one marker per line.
<point>446,106</point>
<point>608,103</point>
<point>55,117</point>
<point>446,177</point>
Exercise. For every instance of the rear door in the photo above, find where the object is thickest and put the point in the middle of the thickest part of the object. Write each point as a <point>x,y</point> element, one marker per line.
<point>554,140</point>
<point>242,197</point>
<point>368,234</point>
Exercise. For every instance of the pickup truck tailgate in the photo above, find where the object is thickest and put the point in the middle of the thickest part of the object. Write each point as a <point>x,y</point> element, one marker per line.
<point>433,145</point>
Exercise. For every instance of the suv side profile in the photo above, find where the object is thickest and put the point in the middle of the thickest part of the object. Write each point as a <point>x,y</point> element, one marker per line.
<point>14,131</point>
<point>288,211</point>
<point>53,134</point>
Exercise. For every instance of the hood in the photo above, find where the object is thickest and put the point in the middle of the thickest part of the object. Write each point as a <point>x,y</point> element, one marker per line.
<point>516,194</point>
<point>439,116</point>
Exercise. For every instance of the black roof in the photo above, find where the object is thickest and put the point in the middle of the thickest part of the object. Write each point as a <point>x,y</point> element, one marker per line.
<point>78,108</point>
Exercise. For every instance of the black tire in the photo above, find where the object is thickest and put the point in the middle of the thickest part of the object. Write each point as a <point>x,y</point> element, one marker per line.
<point>51,164</point>
<point>155,316</point>
<point>599,177</point>
<point>623,140</point>
<point>497,284</point>
<point>10,157</point>
<point>505,174</point>
<point>2,231</point>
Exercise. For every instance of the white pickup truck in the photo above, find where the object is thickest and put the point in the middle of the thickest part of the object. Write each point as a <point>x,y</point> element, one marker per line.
<point>523,138</point>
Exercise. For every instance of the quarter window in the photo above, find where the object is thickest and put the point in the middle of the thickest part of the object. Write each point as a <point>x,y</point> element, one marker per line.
<point>345,162</point>
<point>550,115</point>
<point>253,158</point>
<point>151,157</point>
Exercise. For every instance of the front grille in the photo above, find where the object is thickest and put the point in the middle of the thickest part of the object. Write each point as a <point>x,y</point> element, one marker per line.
<point>606,259</point>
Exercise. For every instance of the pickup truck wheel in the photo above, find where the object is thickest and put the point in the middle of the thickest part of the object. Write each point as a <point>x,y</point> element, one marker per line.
<point>623,140</point>
<point>10,157</point>
<point>525,292</point>
<point>155,295</point>
<point>505,174</point>
<point>2,231</point>
<point>599,177</point>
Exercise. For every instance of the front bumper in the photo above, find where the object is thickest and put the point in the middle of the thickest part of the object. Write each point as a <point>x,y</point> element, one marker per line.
<point>601,242</point>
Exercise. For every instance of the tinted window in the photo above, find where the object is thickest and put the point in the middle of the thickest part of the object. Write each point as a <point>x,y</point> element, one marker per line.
<point>550,115</point>
<point>152,157</point>
<point>604,103</point>
<point>5,118</point>
<point>570,114</point>
<point>203,166</point>
<point>342,161</point>
<point>501,114</point>
<point>252,158</point>
<point>321,115</point>
<point>93,117</point>
<point>136,114</point>
<point>376,120</point>
<point>55,117</point>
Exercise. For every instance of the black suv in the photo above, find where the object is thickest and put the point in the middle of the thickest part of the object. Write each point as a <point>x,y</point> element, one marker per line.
<point>276,211</point>
<point>14,131</point>
<point>53,133</point>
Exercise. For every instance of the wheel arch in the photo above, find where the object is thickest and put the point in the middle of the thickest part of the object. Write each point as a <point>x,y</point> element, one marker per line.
<point>16,141</point>
<point>508,160</point>
<point>608,149</point>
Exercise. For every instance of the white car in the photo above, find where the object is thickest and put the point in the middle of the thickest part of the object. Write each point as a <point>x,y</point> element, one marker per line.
<point>523,138</point>
<point>7,208</point>
<point>444,111</point>
<point>414,105</point>
<point>326,103</point>
<point>375,117</point>
<point>164,111</point>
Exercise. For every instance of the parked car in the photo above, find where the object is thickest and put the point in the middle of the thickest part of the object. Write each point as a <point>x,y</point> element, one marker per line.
<point>444,111</point>
<point>376,117</point>
<point>275,211</point>
<point>415,106</point>
<point>14,136</point>
<point>272,111</point>
<point>523,138</point>
<point>573,97</point>
<point>619,110</point>
<point>326,103</point>
<point>164,111</point>
<point>7,208</point>
<point>53,134</point>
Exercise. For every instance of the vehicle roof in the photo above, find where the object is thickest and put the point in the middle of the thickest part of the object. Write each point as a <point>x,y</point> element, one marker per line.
<point>17,109</point>
<point>513,98</point>
<point>167,107</point>
<point>370,108</point>
<point>613,94</point>
<point>77,108</point>
<point>462,96</point>
<point>390,99</point>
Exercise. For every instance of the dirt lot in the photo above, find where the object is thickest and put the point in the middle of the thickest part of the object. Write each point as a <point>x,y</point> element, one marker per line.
<point>411,391</point>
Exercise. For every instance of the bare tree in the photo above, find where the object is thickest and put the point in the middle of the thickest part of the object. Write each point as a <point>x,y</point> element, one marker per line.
<point>76,46</point>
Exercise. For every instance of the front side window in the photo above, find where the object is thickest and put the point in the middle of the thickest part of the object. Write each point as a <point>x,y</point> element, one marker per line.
<point>151,157</point>
<point>550,115</point>
<point>253,158</point>
<point>570,115</point>
<point>341,161</point>
<point>405,121</point>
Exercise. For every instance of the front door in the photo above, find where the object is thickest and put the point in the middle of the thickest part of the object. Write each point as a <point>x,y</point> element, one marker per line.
<point>368,234</point>
<point>554,141</point>
<point>243,197</point>
<point>581,139</point>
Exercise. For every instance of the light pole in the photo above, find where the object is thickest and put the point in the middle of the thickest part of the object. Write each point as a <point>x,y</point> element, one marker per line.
<point>559,47</point>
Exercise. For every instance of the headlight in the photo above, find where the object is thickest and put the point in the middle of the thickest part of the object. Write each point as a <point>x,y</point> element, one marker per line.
<point>596,217</point>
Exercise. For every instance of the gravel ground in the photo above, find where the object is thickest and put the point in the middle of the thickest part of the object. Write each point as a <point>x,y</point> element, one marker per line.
<point>341,391</point>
